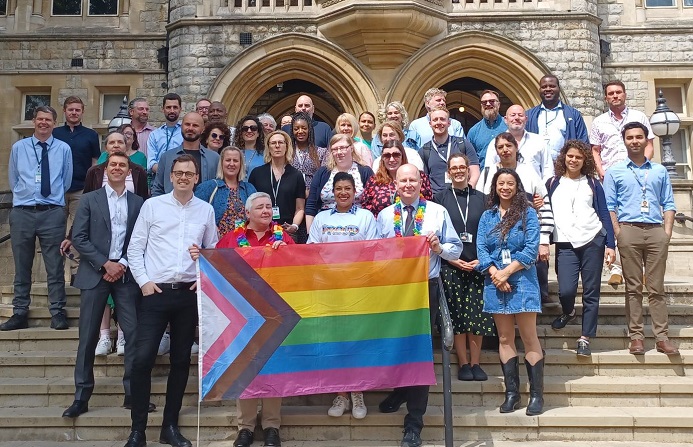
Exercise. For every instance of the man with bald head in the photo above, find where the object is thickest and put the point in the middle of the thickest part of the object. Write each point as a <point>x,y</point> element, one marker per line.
<point>444,243</point>
<point>191,129</point>
<point>531,146</point>
<point>322,131</point>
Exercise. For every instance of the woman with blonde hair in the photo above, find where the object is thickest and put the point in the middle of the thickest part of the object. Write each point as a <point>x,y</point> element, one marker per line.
<point>395,111</point>
<point>347,125</point>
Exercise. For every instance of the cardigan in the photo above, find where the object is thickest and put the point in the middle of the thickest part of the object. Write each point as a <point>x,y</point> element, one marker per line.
<point>314,202</point>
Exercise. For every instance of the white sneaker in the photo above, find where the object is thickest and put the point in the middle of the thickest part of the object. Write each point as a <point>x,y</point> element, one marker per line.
<point>165,344</point>
<point>120,346</point>
<point>339,405</point>
<point>104,347</point>
<point>195,348</point>
<point>358,407</point>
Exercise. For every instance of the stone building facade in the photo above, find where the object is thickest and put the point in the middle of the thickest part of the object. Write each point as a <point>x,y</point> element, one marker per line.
<point>350,55</point>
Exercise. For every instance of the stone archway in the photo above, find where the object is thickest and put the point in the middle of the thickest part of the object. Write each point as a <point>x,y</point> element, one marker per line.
<point>323,109</point>
<point>488,57</point>
<point>293,56</point>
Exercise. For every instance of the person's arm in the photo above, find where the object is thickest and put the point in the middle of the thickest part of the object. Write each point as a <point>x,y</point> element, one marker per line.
<point>313,202</point>
<point>597,154</point>
<point>611,202</point>
<point>669,222</point>
<point>668,205</point>
<point>614,223</point>
<point>211,235</point>
<point>649,149</point>
<point>483,253</point>
<point>603,214</point>
<point>580,127</point>
<point>67,168</point>
<point>80,236</point>
<point>474,174</point>
<point>152,152</point>
<point>527,255</point>
<point>298,215</point>
<point>158,183</point>
<point>138,244</point>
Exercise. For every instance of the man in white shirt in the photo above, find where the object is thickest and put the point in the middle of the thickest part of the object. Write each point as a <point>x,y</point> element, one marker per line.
<point>160,262</point>
<point>445,244</point>
<point>433,98</point>
<point>531,145</point>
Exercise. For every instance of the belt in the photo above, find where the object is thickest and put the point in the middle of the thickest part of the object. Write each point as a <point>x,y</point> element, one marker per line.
<point>641,224</point>
<point>38,207</point>
<point>175,285</point>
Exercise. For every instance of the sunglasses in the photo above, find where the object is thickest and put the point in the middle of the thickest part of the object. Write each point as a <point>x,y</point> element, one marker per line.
<point>393,155</point>
<point>217,136</point>
<point>488,102</point>
<point>249,129</point>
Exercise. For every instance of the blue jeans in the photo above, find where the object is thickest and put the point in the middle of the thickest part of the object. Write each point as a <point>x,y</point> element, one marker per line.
<point>585,261</point>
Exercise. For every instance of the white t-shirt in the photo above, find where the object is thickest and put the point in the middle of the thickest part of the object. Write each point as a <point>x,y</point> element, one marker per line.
<point>575,219</point>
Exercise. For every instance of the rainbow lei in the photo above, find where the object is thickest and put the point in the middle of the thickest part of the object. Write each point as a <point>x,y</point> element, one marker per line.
<point>242,240</point>
<point>418,219</point>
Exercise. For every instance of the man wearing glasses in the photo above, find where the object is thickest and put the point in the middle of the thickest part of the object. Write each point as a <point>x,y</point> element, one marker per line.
<point>492,123</point>
<point>207,159</point>
<point>202,107</point>
<point>160,262</point>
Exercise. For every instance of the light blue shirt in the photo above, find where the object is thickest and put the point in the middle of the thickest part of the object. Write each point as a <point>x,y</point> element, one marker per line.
<point>623,187</point>
<point>436,220</point>
<point>252,160</point>
<point>356,224</point>
<point>422,126</point>
<point>164,138</point>
<point>411,139</point>
<point>482,133</point>
<point>24,166</point>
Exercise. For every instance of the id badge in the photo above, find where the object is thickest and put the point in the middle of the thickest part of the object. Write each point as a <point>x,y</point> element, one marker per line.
<point>467,238</point>
<point>275,213</point>
<point>38,176</point>
<point>645,207</point>
<point>505,256</point>
<point>447,177</point>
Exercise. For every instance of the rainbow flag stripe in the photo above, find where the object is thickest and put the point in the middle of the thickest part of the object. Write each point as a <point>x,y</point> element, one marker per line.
<point>309,319</point>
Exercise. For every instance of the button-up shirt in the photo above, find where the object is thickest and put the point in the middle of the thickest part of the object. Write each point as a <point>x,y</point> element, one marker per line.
<point>533,151</point>
<point>25,164</point>
<point>165,228</point>
<point>143,137</point>
<point>436,220</point>
<point>118,211</point>
<point>161,140</point>
<point>483,132</point>
<point>623,187</point>
<point>552,128</point>
<point>606,133</point>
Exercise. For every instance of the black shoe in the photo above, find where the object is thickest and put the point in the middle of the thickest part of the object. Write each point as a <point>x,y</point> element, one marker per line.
<point>563,320</point>
<point>479,374</point>
<point>511,378</point>
<point>272,437</point>
<point>244,438</point>
<point>535,374</point>
<point>127,404</point>
<point>465,373</point>
<point>78,407</point>
<point>392,402</point>
<point>15,322</point>
<point>59,321</point>
<point>171,435</point>
<point>136,439</point>
<point>583,348</point>
<point>411,438</point>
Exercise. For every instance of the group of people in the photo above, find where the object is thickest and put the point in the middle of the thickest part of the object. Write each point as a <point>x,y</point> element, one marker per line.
<point>490,204</point>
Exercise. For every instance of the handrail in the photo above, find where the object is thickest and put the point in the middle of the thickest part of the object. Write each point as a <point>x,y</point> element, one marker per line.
<point>4,238</point>
<point>447,337</point>
<point>682,218</point>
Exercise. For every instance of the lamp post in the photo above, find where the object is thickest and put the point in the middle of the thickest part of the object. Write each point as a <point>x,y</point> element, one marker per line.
<point>665,123</point>
<point>121,118</point>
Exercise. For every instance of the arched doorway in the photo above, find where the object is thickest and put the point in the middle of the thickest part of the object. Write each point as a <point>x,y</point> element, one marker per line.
<point>281,99</point>
<point>288,57</point>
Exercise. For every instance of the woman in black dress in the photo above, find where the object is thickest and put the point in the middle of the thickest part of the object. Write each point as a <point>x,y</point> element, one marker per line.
<point>463,285</point>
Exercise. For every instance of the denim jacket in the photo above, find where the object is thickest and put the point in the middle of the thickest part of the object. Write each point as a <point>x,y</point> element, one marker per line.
<point>523,243</point>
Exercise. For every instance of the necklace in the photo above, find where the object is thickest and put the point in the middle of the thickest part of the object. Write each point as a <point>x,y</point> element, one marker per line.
<point>418,219</point>
<point>242,240</point>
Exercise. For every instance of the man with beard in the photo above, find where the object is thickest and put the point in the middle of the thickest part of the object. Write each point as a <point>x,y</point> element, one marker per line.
<point>166,137</point>
<point>192,127</point>
<point>530,145</point>
<point>434,98</point>
<point>159,260</point>
<point>138,110</point>
<point>483,132</point>
<point>554,121</point>
<point>202,107</point>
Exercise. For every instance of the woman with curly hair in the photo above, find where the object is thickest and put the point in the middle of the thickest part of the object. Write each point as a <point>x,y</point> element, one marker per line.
<point>307,156</point>
<point>250,137</point>
<point>583,235</point>
<point>507,248</point>
<point>216,136</point>
<point>396,112</point>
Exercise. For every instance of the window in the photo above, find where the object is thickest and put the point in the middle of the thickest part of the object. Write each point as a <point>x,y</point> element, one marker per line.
<point>34,100</point>
<point>675,94</point>
<point>660,3</point>
<point>110,105</point>
<point>679,149</point>
<point>3,7</point>
<point>94,7</point>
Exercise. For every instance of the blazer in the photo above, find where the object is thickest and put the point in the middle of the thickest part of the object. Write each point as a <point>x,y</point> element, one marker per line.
<point>91,235</point>
<point>94,179</point>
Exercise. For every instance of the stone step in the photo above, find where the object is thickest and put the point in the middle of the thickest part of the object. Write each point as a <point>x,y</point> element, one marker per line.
<point>481,443</point>
<point>559,391</point>
<point>588,423</point>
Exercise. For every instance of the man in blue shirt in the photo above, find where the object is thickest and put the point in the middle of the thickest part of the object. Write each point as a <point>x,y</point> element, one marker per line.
<point>433,98</point>
<point>86,149</point>
<point>640,199</point>
<point>40,172</point>
<point>492,124</point>
<point>166,137</point>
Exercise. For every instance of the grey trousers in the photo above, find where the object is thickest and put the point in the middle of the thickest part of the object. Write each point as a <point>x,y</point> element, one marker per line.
<point>49,226</point>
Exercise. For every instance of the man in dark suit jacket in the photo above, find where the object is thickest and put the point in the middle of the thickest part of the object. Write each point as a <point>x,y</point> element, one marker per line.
<point>101,232</point>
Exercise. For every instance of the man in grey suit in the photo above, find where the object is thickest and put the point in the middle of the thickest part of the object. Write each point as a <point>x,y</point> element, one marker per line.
<point>101,232</point>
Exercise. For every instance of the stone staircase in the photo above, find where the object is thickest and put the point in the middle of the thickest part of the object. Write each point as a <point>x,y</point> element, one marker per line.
<point>610,397</point>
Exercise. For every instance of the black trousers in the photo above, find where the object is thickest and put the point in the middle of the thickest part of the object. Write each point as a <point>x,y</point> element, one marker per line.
<point>417,396</point>
<point>179,309</point>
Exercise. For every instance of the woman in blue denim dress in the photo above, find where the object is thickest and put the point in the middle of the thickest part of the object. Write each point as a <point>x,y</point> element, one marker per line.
<point>507,249</point>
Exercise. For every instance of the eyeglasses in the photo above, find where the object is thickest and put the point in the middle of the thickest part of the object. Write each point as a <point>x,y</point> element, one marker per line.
<point>455,169</point>
<point>489,102</point>
<point>392,155</point>
<point>278,143</point>
<point>187,174</point>
<point>249,129</point>
<point>128,134</point>
<point>216,136</point>
<point>341,149</point>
